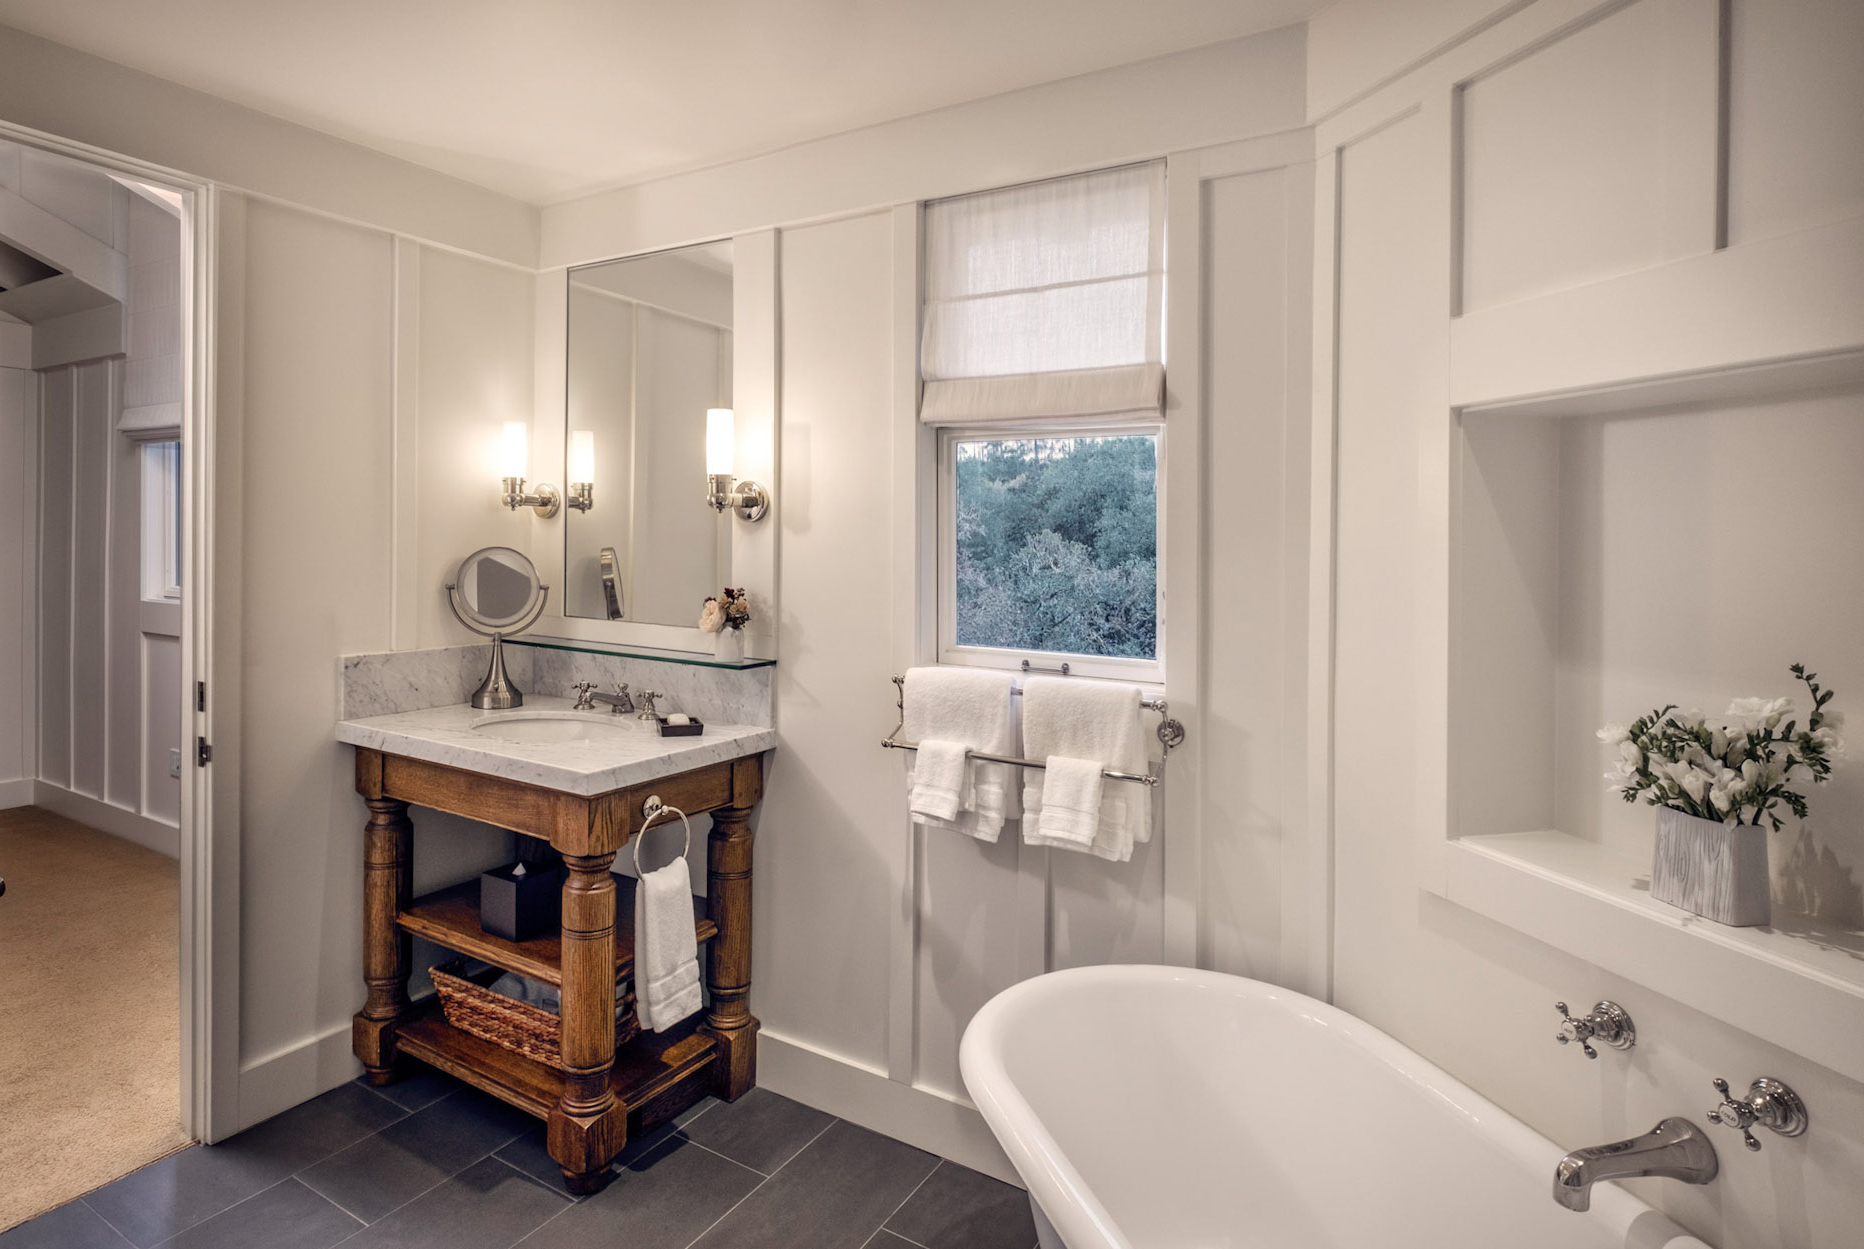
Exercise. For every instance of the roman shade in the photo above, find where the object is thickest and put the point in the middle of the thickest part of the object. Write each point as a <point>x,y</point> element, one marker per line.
<point>1043,301</point>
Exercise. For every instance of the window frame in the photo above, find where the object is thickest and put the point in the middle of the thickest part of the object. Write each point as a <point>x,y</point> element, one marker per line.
<point>161,517</point>
<point>1142,671</point>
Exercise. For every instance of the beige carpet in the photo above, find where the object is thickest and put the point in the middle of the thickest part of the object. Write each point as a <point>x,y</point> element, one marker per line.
<point>89,1011</point>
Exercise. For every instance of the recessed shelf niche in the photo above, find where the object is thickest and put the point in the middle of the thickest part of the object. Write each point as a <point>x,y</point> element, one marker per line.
<point>1608,562</point>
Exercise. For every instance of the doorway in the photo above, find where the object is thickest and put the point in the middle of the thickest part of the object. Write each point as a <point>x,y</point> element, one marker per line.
<point>101,810</point>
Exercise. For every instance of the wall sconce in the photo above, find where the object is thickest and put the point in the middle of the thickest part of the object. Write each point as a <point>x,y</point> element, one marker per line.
<point>582,470</point>
<point>747,498</point>
<point>514,461</point>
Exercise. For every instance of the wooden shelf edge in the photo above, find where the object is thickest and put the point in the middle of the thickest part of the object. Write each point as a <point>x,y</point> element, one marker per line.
<point>645,1068</point>
<point>1574,895</point>
<point>450,918</point>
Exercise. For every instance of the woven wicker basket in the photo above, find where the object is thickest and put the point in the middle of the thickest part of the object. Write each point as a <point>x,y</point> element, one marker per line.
<point>517,1026</point>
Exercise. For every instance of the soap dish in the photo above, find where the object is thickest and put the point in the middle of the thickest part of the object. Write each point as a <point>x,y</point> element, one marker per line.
<point>691,728</point>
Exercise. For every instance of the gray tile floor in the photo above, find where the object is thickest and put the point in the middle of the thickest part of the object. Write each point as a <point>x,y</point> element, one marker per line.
<point>430,1162</point>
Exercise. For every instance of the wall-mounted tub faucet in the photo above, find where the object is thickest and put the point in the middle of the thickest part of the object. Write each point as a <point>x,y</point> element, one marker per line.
<point>1675,1149</point>
<point>1608,1021</point>
<point>1768,1103</point>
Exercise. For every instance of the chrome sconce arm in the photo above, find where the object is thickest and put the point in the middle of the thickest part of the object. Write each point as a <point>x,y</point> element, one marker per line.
<point>545,501</point>
<point>582,496</point>
<point>750,500</point>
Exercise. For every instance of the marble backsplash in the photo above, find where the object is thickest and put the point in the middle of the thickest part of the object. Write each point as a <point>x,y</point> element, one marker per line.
<point>726,695</point>
<point>387,682</point>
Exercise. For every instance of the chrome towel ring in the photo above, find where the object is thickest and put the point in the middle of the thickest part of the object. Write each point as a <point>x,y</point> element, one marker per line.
<point>653,809</point>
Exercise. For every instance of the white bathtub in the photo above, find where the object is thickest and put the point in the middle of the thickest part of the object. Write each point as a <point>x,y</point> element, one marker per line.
<point>1160,1108</point>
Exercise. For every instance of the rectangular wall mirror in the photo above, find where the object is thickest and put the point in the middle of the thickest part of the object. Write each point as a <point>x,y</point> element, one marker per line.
<point>649,351</point>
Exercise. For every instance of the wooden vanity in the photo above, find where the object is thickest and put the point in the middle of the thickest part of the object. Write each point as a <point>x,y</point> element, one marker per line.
<point>598,1097</point>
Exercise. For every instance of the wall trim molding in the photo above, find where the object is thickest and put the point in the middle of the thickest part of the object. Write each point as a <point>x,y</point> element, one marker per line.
<point>866,1096</point>
<point>105,817</point>
<point>18,793</point>
<point>297,1073</point>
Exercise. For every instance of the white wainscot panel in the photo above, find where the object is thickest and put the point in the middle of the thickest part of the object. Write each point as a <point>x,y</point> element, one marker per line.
<point>1592,156</point>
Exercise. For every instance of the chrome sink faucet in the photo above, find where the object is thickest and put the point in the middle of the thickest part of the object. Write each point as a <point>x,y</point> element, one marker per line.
<point>587,697</point>
<point>1675,1149</point>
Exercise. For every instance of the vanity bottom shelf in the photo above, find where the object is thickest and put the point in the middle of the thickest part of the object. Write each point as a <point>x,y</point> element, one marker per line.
<point>647,1069</point>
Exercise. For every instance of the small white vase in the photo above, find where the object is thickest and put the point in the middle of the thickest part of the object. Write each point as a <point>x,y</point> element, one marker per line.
<point>1712,870</point>
<point>728,645</point>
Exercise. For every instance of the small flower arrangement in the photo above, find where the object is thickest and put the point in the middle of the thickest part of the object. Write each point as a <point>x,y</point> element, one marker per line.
<point>730,610</point>
<point>1733,772</point>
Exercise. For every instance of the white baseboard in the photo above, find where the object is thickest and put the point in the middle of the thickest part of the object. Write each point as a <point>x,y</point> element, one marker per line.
<point>16,793</point>
<point>284,1078</point>
<point>109,818</point>
<point>863,1095</point>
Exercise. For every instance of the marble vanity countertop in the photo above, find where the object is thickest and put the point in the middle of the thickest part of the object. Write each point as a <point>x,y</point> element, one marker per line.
<point>621,750</point>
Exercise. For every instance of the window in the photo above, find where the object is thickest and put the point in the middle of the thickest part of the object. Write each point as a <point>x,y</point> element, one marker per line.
<point>161,520</point>
<point>1042,366</point>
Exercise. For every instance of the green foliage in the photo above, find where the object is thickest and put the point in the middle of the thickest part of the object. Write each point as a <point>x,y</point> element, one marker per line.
<point>1058,545</point>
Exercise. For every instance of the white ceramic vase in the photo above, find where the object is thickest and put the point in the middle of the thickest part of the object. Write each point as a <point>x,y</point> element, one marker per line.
<point>1712,870</point>
<point>728,645</point>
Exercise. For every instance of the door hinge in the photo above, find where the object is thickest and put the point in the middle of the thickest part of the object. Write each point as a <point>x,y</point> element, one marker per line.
<point>203,753</point>
<point>200,696</point>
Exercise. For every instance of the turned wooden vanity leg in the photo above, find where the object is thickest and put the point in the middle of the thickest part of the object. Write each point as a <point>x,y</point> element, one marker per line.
<point>588,1127</point>
<point>387,854</point>
<point>728,978</point>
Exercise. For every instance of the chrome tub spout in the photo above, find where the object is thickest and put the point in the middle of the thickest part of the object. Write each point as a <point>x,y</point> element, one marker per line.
<point>1675,1149</point>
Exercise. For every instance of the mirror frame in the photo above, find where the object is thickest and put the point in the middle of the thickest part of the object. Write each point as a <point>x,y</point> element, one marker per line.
<point>519,621</point>
<point>754,394</point>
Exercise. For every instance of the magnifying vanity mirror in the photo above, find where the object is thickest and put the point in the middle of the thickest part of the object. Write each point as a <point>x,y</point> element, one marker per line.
<point>649,352</point>
<point>496,593</point>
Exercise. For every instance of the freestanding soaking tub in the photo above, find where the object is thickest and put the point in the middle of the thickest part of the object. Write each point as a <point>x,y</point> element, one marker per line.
<point>1163,1108</point>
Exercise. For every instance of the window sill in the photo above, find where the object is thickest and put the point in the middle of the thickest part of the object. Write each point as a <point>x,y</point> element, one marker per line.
<point>1799,985</point>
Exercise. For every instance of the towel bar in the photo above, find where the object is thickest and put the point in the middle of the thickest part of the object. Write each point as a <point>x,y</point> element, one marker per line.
<point>1170,731</point>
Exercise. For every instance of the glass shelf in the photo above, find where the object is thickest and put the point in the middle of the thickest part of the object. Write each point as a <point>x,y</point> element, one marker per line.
<point>696,659</point>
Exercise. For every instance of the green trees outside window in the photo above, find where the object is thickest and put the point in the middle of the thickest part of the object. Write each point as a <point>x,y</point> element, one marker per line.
<point>1057,544</point>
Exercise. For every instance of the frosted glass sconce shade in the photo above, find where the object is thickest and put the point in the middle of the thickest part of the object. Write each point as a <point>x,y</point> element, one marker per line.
<point>514,461</point>
<point>747,498</point>
<point>582,469</point>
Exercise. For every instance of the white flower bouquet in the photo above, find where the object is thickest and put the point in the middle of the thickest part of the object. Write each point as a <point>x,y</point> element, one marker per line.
<point>1735,771</point>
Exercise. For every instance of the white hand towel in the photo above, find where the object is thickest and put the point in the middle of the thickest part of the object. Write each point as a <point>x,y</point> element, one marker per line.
<point>969,708</point>
<point>939,778</point>
<point>1097,721</point>
<point>1070,812</point>
<point>666,951</point>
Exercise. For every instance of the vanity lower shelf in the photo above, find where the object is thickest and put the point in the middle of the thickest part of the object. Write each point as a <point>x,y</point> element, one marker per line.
<point>647,1068</point>
<point>450,917</point>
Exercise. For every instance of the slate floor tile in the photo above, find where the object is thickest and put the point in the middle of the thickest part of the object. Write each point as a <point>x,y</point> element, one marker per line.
<point>487,1206</point>
<point>407,1158</point>
<point>762,1130</point>
<point>663,1200</point>
<point>71,1226</point>
<point>884,1239</point>
<point>285,1216</point>
<point>421,1087</point>
<point>958,1208</point>
<point>172,1195</point>
<point>833,1195</point>
<point>530,1155</point>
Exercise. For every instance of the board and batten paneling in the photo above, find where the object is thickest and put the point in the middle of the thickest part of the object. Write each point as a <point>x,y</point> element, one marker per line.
<point>19,544</point>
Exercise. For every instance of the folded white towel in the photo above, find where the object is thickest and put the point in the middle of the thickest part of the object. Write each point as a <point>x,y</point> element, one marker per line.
<point>939,778</point>
<point>1070,812</point>
<point>1095,721</point>
<point>666,951</point>
<point>968,708</point>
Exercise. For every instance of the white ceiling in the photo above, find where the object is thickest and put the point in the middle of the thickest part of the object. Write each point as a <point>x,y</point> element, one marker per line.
<point>545,100</point>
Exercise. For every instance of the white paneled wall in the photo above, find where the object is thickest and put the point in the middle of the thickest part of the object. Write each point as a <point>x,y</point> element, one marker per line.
<point>19,532</point>
<point>106,696</point>
<point>1490,606</point>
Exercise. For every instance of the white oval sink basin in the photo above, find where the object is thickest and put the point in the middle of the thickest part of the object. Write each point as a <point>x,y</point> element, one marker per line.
<point>548,728</point>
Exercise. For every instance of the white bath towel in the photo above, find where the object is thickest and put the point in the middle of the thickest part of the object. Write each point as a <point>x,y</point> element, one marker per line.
<point>666,951</point>
<point>967,708</point>
<point>1071,795</point>
<point>939,778</point>
<point>1097,721</point>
